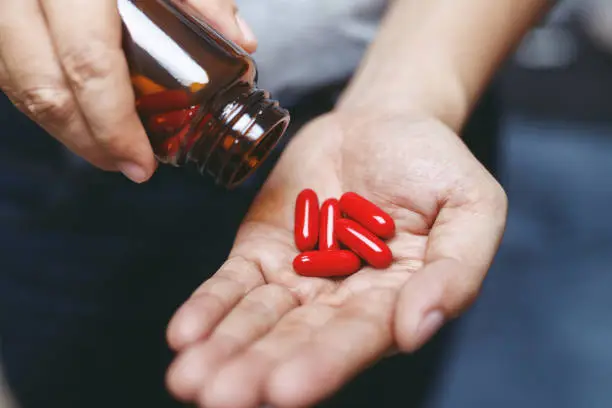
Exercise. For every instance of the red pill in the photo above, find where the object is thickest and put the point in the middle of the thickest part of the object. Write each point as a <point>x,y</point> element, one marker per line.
<point>365,244</point>
<point>161,102</point>
<point>326,264</point>
<point>330,212</point>
<point>367,214</point>
<point>171,122</point>
<point>306,228</point>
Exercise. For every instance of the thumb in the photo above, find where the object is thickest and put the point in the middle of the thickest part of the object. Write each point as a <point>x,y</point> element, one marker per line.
<point>223,15</point>
<point>462,245</point>
<point>435,294</point>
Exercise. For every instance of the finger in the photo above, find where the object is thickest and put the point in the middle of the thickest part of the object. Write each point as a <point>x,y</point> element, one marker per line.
<point>212,301</point>
<point>240,383</point>
<point>4,76</point>
<point>359,334</point>
<point>223,15</point>
<point>461,248</point>
<point>253,317</point>
<point>33,80</point>
<point>88,45</point>
<point>272,248</point>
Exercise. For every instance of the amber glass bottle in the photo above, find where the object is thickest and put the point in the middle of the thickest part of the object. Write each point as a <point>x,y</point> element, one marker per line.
<point>196,92</point>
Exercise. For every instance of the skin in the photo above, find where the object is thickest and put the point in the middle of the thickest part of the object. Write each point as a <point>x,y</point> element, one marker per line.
<point>6,399</point>
<point>256,332</point>
<point>58,56</point>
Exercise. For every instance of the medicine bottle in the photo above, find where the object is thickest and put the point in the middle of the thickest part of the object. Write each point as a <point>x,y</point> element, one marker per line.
<point>196,92</point>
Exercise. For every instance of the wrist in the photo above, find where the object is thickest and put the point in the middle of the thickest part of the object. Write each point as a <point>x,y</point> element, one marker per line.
<point>428,90</point>
<point>437,56</point>
<point>409,70</point>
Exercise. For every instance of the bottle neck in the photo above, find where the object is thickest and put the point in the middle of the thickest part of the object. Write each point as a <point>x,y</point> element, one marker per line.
<point>235,133</point>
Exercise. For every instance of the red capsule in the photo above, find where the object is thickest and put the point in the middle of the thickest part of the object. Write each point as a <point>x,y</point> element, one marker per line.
<point>330,212</point>
<point>306,229</point>
<point>169,148</point>
<point>161,102</point>
<point>326,264</point>
<point>365,244</point>
<point>171,122</point>
<point>367,214</point>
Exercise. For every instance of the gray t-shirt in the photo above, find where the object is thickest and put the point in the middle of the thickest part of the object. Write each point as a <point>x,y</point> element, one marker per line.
<point>306,44</point>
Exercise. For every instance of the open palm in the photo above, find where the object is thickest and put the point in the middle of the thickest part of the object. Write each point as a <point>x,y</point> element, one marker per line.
<point>258,333</point>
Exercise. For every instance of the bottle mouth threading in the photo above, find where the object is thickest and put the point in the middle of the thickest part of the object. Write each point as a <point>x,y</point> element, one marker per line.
<point>258,154</point>
<point>241,122</point>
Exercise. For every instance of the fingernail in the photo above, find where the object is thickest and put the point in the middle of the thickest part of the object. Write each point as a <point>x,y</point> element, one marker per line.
<point>133,171</point>
<point>247,33</point>
<point>431,323</point>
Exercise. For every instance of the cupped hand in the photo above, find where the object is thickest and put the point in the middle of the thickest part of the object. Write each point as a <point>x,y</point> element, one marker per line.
<point>258,333</point>
<point>61,63</point>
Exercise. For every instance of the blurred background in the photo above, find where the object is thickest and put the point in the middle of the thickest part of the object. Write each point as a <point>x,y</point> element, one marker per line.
<point>540,334</point>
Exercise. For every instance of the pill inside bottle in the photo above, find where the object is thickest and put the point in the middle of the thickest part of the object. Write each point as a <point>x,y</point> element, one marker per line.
<point>196,92</point>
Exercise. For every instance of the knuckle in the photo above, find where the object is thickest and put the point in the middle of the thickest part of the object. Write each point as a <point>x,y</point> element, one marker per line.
<point>46,104</point>
<point>497,197</point>
<point>485,194</point>
<point>112,142</point>
<point>461,297</point>
<point>85,63</point>
<point>502,200</point>
<point>279,294</point>
<point>470,294</point>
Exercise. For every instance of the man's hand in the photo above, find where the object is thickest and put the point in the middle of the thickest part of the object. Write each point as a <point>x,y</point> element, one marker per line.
<point>258,333</point>
<point>61,63</point>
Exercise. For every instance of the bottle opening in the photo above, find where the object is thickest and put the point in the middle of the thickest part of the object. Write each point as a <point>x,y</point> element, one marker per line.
<point>260,153</point>
<point>239,137</point>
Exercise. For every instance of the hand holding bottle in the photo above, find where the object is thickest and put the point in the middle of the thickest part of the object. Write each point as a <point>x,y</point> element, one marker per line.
<point>62,64</point>
<point>258,333</point>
